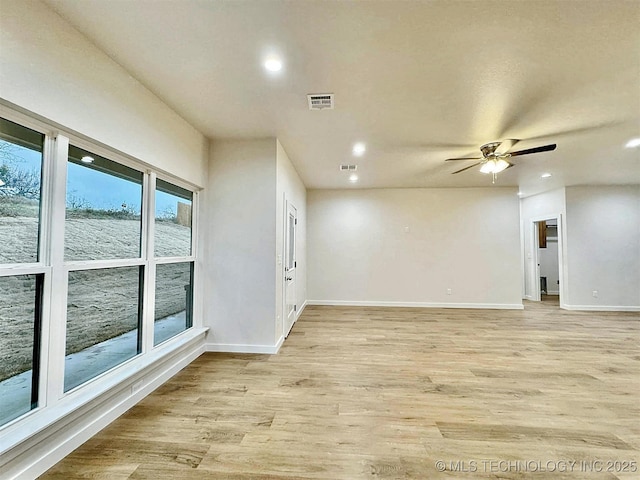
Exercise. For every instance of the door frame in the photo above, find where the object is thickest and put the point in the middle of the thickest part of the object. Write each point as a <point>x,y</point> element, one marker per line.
<point>285,327</point>
<point>534,273</point>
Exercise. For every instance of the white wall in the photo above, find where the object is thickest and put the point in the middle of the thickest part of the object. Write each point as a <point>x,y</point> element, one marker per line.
<point>408,246</point>
<point>603,241</point>
<point>49,68</point>
<point>290,185</point>
<point>538,207</point>
<point>241,244</point>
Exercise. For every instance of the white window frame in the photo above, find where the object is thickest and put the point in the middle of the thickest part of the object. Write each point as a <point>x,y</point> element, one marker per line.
<point>53,403</point>
<point>154,261</point>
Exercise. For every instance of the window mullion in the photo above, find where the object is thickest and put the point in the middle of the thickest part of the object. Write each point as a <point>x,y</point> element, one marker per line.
<point>197,294</point>
<point>150,270</point>
<point>55,255</point>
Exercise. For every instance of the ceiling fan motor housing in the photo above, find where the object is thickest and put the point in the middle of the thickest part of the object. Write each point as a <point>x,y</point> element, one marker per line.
<point>488,149</point>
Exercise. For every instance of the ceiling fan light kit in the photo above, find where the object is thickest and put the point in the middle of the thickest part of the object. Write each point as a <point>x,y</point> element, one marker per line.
<point>495,155</point>
<point>494,165</point>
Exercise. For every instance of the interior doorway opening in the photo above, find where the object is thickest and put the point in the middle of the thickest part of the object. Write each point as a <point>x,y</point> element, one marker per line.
<point>548,260</point>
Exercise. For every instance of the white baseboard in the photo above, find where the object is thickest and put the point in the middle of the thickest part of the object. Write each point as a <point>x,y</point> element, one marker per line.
<point>243,348</point>
<point>553,292</point>
<point>304,305</point>
<point>602,308</point>
<point>528,297</point>
<point>357,303</point>
<point>279,343</point>
<point>40,452</point>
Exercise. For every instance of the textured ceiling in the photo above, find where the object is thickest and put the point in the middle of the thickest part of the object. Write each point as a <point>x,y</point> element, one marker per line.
<point>418,82</point>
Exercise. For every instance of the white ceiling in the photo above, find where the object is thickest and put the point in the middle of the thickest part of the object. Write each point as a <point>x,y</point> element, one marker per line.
<point>419,82</point>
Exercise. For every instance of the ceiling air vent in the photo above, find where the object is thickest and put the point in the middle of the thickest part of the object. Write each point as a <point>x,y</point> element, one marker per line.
<point>320,101</point>
<point>348,168</point>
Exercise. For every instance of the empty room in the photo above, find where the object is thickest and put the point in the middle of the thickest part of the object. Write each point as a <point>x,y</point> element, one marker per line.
<point>319,239</point>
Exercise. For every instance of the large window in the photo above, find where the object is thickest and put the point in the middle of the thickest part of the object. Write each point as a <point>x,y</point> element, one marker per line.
<point>174,275</point>
<point>91,275</point>
<point>21,294</point>
<point>103,222</point>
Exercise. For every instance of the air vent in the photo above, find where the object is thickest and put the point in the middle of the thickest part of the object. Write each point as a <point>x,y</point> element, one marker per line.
<point>348,168</point>
<point>320,101</point>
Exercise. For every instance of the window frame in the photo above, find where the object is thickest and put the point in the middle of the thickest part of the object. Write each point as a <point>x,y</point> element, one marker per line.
<point>53,402</point>
<point>42,266</point>
<point>154,261</point>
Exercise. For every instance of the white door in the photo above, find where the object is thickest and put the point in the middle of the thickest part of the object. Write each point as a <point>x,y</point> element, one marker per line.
<point>290,307</point>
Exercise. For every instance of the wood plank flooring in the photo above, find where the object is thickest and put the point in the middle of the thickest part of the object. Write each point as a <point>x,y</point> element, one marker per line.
<point>387,393</point>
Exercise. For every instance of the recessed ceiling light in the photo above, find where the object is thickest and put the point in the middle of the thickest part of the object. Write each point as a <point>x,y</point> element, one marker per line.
<point>87,159</point>
<point>273,64</point>
<point>520,194</point>
<point>633,143</point>
<point>545,175</point>
<point>353,178</point>
<point>359,149</point>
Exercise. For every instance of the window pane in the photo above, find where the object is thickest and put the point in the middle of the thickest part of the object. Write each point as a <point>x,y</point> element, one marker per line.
<point>20,179</point>
<point>19,344</point>
<point>173,220</point>
<point>104,201</point>
<point>174,300</point>
<point>103,321</point>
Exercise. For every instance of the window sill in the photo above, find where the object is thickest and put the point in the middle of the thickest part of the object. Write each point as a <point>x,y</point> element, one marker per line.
<point>127,378</point>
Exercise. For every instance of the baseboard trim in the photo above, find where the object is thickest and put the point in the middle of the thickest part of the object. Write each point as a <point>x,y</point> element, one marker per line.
<point>243,348</point>
<point>42,451</point>
<point>304,305</point>
<point>602,308</point>
<point>357,303</point>
<point>279,343</point>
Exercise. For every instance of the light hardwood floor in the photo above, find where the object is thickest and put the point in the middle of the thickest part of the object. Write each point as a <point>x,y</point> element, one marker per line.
<point>386,393</point>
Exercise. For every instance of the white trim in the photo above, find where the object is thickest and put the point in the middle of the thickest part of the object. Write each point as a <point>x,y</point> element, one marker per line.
<point>18,115</point>
<point>304,305</point>
<point>602,308</point>
<point>279,343</point>
<point>562,256</point>
<point>26,269</point>
<point>242,348</point>
<point>35,456</point>
<point>76,265</point>
<point>164,260</point>
<point>553,292</point>
<point>358,303</point>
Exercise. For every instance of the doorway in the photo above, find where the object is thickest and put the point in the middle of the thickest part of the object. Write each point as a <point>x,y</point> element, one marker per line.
<point>290,266</point>
<point>548,260</point>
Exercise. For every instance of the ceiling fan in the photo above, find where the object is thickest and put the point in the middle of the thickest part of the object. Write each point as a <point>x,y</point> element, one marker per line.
<point>495,156</point>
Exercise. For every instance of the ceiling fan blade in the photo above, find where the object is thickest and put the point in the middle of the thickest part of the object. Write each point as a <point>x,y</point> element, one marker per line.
<point>505,146</point>
<point>466,168</point>
<point>462,158</point>
<point>579,130</point>
<point>546,148</point>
